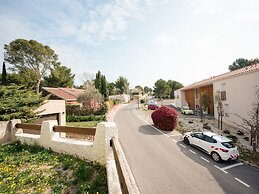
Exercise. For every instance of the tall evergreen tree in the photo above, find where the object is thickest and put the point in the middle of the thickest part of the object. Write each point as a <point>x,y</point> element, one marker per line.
<point>60,76</point>
<point>104,89</point>
<point>97,81</point>
<point>30,58</point>
<point>4,80</point>
<point>17,102</point>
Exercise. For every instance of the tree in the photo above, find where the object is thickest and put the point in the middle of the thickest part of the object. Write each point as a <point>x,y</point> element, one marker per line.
<point>60,76</point>
<point>240,63</point>
<point>162,88</point>
<point>220,108</point>
<point>111,88</point>
<point>30,58</point>
<point>174,85</point>
<point>17,102</point>
<point>140,89</point>
<point>122,85</point>
<point>147,90</point>
<point>91,98</point>
<point>4,79</point>
<point>104,90</point>
<point>97,81</point>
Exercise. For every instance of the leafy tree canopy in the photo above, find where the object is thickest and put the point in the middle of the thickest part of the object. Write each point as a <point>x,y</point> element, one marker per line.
<point>16,102</point>
<point>122,85</point>
<point>240,63</point>
<point>162,88</point>
<point>174,85</point>
<point>111,88</point>
<point>60,76</point>
<point>147,90</point>
<point>30,59</point>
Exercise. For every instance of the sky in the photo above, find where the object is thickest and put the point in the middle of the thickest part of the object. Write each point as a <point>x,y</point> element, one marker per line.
<point>142,40</point>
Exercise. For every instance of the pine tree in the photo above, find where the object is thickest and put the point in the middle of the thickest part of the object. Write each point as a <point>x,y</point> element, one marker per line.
<point>4,81</point>
<point>17,102</point>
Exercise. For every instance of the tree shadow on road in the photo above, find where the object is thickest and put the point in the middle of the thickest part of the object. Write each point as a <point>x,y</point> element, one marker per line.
<point>148,130</point>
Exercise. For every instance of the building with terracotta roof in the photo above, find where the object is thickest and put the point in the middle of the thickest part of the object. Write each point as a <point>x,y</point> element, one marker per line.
<point>68,94</point>
<point>237,90</point>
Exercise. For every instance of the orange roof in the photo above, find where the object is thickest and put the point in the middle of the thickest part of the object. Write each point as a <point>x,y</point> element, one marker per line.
<point>209,81</point>
<point>68,94</point>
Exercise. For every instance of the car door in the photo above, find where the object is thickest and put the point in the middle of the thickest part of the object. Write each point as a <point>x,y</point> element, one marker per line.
<point>208,143</point>
<point>197,139</point>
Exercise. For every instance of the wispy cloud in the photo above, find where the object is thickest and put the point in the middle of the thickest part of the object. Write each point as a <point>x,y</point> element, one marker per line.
<point>165,39</point>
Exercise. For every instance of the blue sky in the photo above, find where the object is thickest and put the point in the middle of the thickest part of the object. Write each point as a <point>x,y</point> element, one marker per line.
<point>143,40</point>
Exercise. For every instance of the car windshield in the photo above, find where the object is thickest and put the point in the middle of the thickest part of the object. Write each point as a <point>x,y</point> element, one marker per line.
<point>228,144</point>
<point>185,108</point>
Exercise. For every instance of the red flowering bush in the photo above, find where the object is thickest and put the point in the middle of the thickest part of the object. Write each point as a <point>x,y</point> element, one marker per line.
<point>165,118</point>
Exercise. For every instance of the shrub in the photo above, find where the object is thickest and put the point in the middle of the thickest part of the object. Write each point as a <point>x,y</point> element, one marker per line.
<point>234,138</point>
<point>226,131</point>
<point>240,133</point>
<point>165,118</point>
<point>206,126</point>
<point>142,101</point>
<point>75,118</point>
<point>246,138</point>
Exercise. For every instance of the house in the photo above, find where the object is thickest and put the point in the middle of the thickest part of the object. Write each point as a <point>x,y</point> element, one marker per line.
<point>237,90</point>
<point>68,94</point>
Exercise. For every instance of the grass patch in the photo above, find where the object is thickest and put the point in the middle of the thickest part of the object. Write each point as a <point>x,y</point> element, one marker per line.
<point>82,124</point>
<point>246,154</point>
<point>32,169</point>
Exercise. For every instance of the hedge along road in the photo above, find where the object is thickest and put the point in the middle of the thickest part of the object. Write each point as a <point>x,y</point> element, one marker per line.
<point>159,165</point>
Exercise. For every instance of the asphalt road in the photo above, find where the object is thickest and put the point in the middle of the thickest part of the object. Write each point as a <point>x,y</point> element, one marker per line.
<point>162,163</point>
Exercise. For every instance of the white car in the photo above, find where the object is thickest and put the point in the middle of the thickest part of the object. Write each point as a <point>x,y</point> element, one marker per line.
<point>218,146</point>
<point>186,110</point>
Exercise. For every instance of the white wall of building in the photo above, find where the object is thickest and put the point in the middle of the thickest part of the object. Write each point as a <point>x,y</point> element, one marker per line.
<point>54,107</point>
<point>240,94</point>
<point>179,100</point>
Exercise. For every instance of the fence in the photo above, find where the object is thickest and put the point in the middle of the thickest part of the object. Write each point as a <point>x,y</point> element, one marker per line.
<point>104,148</point>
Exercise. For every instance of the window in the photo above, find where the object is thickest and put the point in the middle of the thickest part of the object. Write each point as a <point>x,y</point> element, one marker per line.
<point>209,139</point>
<point>223,95</point>
<point>198,135</point>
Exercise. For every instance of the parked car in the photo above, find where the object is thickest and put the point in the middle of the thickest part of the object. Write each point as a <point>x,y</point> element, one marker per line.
<point>152,107</point>
<point>218,146</point>
<point>186,110</point>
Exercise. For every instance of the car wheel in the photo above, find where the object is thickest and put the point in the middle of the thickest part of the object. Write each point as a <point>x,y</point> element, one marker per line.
<point>216,157</point>
<point>186,141</point>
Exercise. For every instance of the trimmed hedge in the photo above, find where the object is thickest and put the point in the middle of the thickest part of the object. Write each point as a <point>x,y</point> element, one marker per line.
<point>165,118</point>
<point>76,118</point>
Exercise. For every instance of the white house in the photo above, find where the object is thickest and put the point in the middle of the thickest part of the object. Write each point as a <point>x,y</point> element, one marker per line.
<point>237,89</point>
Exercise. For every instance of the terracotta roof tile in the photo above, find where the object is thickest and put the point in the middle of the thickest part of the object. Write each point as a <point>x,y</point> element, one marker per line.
<point>209,81</point>
<point>68,94</point>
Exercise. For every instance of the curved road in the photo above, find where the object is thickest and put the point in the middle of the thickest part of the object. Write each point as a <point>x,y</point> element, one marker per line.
<point>162,164</point>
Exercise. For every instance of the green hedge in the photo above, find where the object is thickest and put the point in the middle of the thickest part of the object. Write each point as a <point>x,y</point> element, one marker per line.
<point>75,118</point>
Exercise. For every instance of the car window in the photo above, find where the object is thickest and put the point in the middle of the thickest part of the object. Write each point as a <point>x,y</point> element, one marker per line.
<point>228,144</point>
<point>198,135</point>
<point>209,139</point>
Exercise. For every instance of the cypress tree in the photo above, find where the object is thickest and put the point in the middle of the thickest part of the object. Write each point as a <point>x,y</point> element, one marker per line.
<point>4,75</point>
<point>104,89</point>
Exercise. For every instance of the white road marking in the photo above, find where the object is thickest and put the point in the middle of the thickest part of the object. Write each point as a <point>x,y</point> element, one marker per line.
<point>221,169</point>
<point>232,166</point>
<point>242,182</point>
<point>205,159</point>
<point>182,145</point>
<point>175,135</point>
<point>174,140</point>
<point>153,127</point>
<point>192,152</point>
